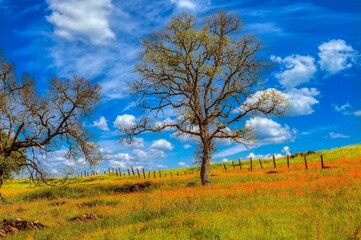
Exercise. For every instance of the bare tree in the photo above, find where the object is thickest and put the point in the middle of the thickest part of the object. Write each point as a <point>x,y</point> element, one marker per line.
<point>33,125</point>
<point>210,78</point>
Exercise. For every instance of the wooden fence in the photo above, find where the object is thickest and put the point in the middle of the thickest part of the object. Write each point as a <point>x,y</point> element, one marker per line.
<point>141,173</point>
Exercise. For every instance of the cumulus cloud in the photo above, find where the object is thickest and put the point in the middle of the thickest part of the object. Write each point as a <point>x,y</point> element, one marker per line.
<point>301,101</point>
<point>261,156</point>
<point>164,123</point>
<point>183,164</point>
<point>264,100</point>
<point>124,121</point>
<point>149,154</point>
<point>101,124</point>
<point>295,70</point>
<point>298,101</point>
<point>162,144</point>
<point>334,135</point>
<point>186,138</point>
<point>268,131</point>
<point>84,19</point>
<point>286,150</point>
<point>335,55</point>
<point>136,143</point>
<point>162,166</point>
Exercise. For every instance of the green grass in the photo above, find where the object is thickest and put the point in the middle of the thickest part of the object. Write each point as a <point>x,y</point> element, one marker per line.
<point>292,203</point>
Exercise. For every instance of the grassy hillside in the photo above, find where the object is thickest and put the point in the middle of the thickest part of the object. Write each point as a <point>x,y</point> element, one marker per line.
<point>268,203</point>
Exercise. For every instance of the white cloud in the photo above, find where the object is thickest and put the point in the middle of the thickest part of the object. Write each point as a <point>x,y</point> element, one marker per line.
<point>346,109</point>
<point>164,123</point>
<point>187,146</point>
<point>149,154</point>
<point>84,19</point>
<point>183,164</point>
<point>301,101</point>
<point>101,124</point>
<point>225,160</point>
<point>296,70</point>
<point>286,150</point>
<point>137,143</point>
<point>335,55</point>
<point>191,4</point>
<point>188,4</point>
<point>162,144</point>
<point>264,99</point>
<point>357,113</point>
<point>186,138</point>
<point>162,166</point>
<point>268,131</point>
<point>231,151</point>
<point>260,156</point>
<point>117,164</point>
<point>334,135</point>
<point>124,121</point>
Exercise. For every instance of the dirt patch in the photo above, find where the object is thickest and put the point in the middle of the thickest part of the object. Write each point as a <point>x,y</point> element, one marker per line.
<point>55,204</point>
<point>14,226</point>
<point>89,205</point>
<point>138,187</point>
<point>84,218</point>
<point>192,184</point>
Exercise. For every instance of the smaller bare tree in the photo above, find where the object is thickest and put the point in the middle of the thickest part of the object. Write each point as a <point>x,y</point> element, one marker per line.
<point>31,125</point>
<point>210,78</point>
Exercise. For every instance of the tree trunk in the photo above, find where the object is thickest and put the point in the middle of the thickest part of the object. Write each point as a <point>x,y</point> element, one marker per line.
<point>206,164</point>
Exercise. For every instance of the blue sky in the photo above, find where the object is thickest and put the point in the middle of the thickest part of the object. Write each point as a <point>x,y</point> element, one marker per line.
<point>315,47</point>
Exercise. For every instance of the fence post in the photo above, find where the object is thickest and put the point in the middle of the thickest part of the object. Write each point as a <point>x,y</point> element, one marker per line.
<point>288,161</point>
<point>185,172</point>
<point>224,165</point>
<point>171,175</point>
<point>160,175</point>
<point>233,165</point>
<point>128,172</point>
<point>154,174</point>
<point>304,156</point>
<point>250,164</point>
<point>177,173</point>
<point>138,173</point>
<point>322,164</point>
<point>240,164</point>
<point>132,171</point>
<point>274,161</point>
<point>149,174</point>
<point>116,173</point>
<point>143,173</point>
<point>260,163</point>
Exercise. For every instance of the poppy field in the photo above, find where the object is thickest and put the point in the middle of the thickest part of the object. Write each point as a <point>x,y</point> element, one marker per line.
<point>270,203</point>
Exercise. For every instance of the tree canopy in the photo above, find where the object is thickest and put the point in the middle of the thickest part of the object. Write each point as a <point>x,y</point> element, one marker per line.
<point>210,76</point>
<point>32,125</point>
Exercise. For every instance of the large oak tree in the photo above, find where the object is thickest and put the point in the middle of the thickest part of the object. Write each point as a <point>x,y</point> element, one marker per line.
<point>32,125</point>
<point>210,75</point>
